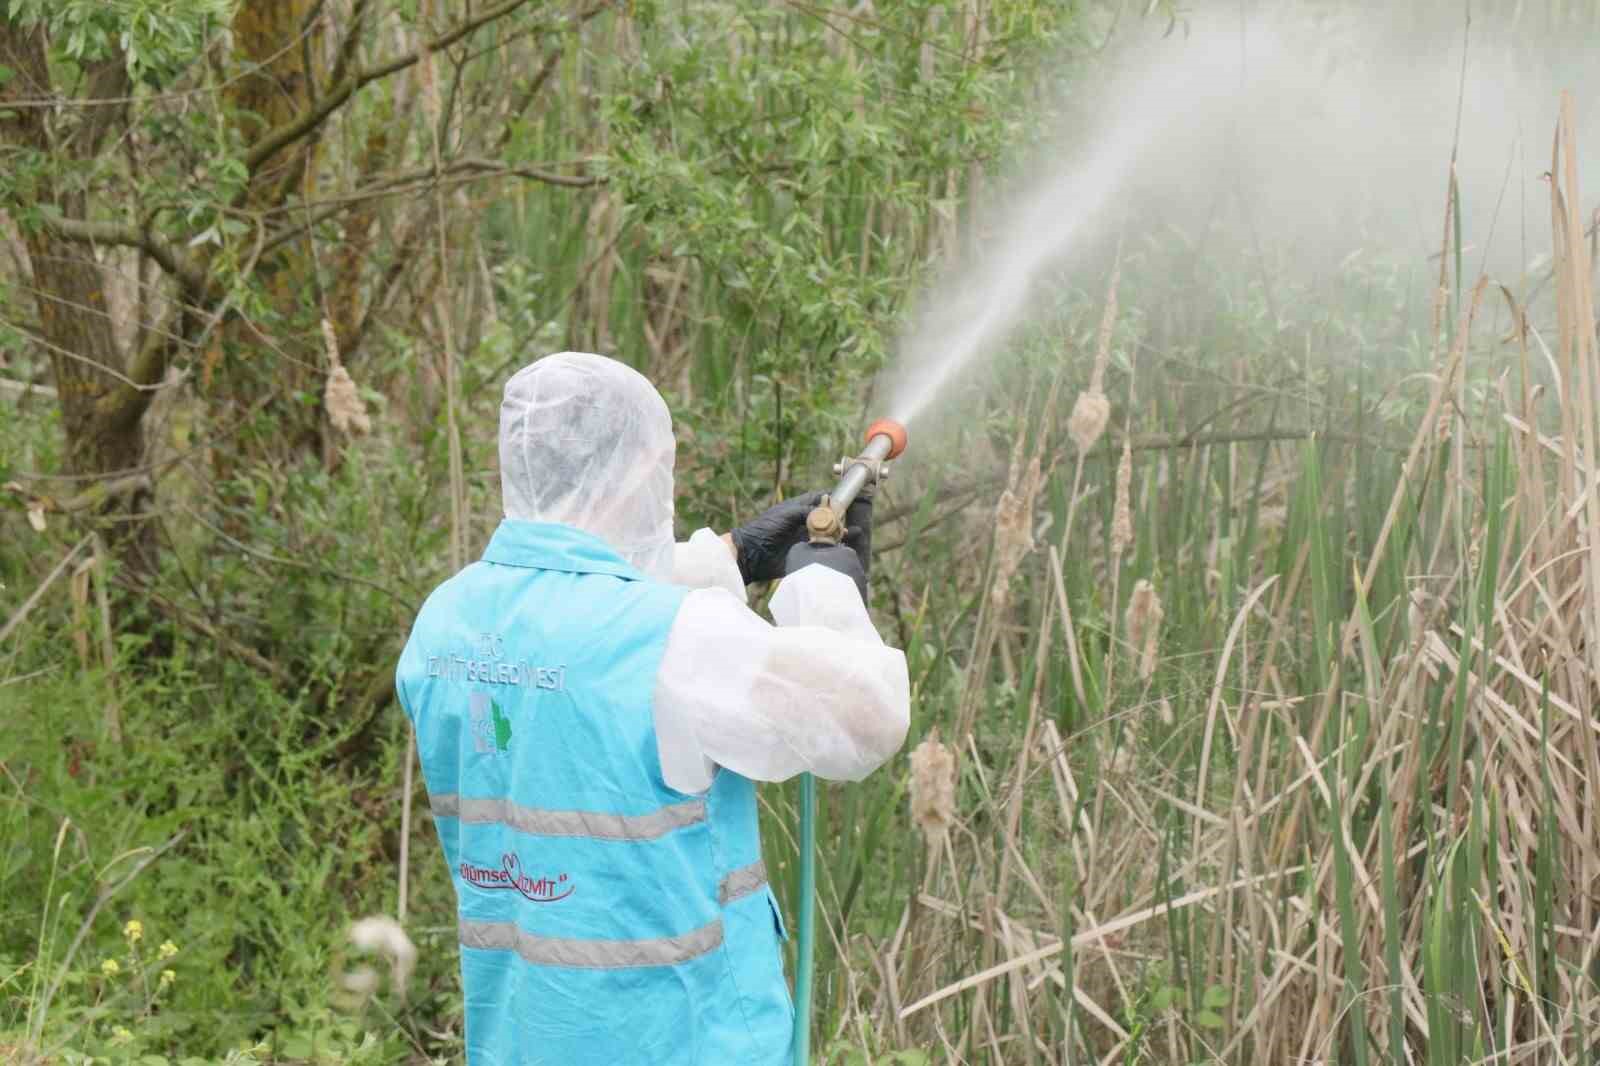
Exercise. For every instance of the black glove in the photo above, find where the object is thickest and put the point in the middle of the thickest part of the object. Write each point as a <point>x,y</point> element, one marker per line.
<point>764,542</point>
<point>853,557</point>
<point>834,557</point>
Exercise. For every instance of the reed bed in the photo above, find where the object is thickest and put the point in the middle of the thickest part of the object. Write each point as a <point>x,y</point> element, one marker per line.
<point>1330,802</point>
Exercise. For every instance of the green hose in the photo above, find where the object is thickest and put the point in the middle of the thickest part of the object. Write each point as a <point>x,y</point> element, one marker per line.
<point>807,932</point>
<point>886,439</point>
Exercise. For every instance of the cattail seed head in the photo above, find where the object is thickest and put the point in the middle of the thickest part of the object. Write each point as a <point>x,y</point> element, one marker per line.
<point>933,788</point>
<point>346,410</point>
<point>1090,413</point>
<point>1143,621</point>
<point>1122,514</point>
<point>383,936</point>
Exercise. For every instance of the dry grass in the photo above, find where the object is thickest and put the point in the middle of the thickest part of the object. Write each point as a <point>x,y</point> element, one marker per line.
<point>1378,842</point>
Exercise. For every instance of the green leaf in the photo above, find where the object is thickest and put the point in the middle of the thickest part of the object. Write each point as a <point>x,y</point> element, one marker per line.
<point>1216,996</point>
<point>297,1047</point>
<point>1209,1020</point>
<point>6,74</point>
<point>1164,998</point>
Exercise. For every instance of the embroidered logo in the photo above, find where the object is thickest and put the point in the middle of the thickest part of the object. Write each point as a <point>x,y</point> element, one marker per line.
<point>486,664</point>
<point>491,729</point>
<point>509,876</point>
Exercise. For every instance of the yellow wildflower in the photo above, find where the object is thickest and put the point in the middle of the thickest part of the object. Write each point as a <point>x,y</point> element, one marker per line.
<point>134,930</point>
<point>110,968</point>
<point>121,1035</point>
<point>167,950</point>
<point>167,977</point>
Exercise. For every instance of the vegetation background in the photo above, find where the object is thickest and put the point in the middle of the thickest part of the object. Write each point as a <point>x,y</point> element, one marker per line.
<point>1254,724</point>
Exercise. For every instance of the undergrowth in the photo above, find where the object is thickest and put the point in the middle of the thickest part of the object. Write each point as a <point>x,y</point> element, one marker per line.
<point>1278,749</point>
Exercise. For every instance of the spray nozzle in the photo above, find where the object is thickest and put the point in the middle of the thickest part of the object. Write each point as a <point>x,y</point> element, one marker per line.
<point>886,439</point>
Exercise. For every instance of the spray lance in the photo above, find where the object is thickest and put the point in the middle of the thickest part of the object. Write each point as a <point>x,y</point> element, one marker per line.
<point>825,529</point>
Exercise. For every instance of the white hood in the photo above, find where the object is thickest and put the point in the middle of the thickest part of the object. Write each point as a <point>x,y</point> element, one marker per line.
<point>586,441</point>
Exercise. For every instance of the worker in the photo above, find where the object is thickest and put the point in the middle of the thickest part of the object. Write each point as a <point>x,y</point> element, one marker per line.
<point>593,704</point>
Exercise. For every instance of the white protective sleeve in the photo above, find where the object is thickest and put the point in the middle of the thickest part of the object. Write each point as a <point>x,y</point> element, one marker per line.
<point>819,692</point>
<point>704,562</point>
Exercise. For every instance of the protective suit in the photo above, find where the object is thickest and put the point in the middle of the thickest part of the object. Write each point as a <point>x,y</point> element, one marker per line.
<point>593,704</point>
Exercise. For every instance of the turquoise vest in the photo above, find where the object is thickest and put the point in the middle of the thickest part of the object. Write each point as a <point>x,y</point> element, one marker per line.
<point>604,917</point>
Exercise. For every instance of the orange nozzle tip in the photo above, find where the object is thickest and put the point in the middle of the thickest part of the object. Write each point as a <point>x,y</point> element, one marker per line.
<point>888,427</point>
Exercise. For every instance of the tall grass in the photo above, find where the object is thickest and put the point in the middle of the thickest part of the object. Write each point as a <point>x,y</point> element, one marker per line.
<point>1348,818</point>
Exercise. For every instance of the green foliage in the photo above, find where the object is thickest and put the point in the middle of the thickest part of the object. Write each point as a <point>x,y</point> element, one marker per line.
<point>773,183</point>
<point>788,158</point>
<point>154,39</point>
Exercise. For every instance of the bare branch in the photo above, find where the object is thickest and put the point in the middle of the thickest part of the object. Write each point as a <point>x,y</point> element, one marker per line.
<point>172,261</point>
<point>352,40</point>
<point>24,387</point>
<point>209,631</point>
<point>402,182</point>
<point>491,168</point>
<point>101,491</point>
<point>276,139</point>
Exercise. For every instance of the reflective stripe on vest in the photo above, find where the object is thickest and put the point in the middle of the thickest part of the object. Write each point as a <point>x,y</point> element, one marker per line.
<point>591,954</point>
<point>741,882</point>
<point>667,949</point>
<point>538,822</point>
<point>615,954</point>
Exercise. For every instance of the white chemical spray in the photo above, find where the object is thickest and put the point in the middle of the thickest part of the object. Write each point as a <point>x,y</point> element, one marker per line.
<point>970,316</point>
<point>1332,134</point>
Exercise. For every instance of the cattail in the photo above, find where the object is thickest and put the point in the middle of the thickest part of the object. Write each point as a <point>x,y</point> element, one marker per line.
<point>381,935</point>
<point>1013,521</point>
<point>1121,515</point>
<point>1013,532</point>
<point>1143,622</point>
<point>1108,322</point>
<point>1092,410</point>
<point>933,788</point>
<point>345,408</point>
<point>1088,420</point>
<point>330,342</point>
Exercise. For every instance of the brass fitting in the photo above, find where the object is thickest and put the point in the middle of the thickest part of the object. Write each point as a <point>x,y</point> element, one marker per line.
<point>824,525</point>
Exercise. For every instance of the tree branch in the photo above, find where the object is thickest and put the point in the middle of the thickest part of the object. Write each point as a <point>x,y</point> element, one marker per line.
<point>23,388</point>
<point>399,183</point>
<point>209,631</point>
<point>352,41</point>
<point>171,260</point>
<point>492,169</point>
<point>279,137</point>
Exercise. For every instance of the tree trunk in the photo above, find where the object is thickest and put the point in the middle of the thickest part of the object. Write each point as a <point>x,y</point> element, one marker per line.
<point>101,405</point>
<point>279,50</point>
